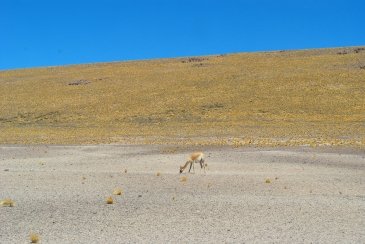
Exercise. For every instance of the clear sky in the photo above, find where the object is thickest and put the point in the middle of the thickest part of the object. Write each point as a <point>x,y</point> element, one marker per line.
<point>57,32</point>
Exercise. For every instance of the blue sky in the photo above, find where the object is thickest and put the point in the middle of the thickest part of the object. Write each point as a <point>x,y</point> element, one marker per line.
<point>57,32</point>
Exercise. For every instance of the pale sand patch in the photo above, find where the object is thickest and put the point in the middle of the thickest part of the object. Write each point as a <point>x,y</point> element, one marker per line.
<point>60,191</point>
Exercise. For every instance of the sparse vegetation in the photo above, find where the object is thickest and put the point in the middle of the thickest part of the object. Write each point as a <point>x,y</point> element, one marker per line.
<point>7,203</point>
<point>290,98</point>
<point>117,191</point>
<point>109,200</point>
<point>268,181</point>
<point>183,179</point>
<point>34,238</point>
<point>158,174</point>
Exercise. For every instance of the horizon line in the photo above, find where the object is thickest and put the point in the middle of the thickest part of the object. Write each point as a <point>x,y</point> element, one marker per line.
<point>175,57</point>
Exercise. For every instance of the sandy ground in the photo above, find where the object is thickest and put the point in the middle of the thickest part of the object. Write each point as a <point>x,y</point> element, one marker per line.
<point>60,191</point>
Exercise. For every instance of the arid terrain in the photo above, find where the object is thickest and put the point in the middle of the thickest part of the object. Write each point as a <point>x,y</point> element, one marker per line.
<point>60,192</point>
<point>295,98</point>
<point>283,132</point>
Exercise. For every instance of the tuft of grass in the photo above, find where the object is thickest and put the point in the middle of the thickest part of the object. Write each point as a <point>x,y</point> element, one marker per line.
<point>183,179</point>
<point>109,200</point>
<point>7,203</point>
<point>34,238</point>
<point>125,171</point>
<point>117,191</point>
<point>268,181</point>
<point>158,174</point>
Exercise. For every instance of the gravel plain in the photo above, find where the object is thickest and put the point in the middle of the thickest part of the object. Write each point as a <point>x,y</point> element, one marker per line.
<point>314,195</point>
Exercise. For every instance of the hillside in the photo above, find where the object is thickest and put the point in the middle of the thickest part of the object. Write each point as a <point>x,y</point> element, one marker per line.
<point>304,97</point>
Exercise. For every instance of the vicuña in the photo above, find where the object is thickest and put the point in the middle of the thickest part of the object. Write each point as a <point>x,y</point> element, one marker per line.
<point>197,157</point>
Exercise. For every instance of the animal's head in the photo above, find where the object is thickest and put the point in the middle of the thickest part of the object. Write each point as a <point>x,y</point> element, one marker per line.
<point>181,169</point>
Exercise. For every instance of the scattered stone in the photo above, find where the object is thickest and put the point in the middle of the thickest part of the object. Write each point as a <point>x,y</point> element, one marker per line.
<point>79,82</point>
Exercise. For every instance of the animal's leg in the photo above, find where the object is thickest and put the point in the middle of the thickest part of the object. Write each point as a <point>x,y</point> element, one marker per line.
<point>191,164</point>
<point>202,164</point>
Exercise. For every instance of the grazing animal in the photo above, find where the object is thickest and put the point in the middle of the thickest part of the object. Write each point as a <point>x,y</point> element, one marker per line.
<point>197,157</point>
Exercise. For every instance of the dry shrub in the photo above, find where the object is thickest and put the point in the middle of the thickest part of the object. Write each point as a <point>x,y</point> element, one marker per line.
<point>183,179</point>
<point>170,150</point>
<point>125,171</point>
<point>109,200</point>
<point>158,174</point>
<point>267,181</point>
<point>7,203</point>
<point>34,238</point>
<point>117,191</point>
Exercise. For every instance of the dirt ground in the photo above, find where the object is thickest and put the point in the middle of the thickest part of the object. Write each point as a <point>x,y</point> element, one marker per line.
<point>314,195</point>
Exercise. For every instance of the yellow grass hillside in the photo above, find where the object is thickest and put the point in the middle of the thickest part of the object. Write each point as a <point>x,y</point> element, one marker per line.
<point>312,97</point>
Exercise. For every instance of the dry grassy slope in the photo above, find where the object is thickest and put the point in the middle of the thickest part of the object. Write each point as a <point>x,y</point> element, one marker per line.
<point>292,97</point>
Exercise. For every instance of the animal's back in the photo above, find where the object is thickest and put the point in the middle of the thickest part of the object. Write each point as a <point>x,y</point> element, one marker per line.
<point>197,156</point>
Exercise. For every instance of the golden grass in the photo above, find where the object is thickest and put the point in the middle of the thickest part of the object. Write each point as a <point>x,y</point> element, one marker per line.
<point>183,179</point>
<point>7,203</point>
<point>117,191</point>
<point>312,97</point>
<point>267,181</point>
<point>34,238</point>
<point>109,200</point>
